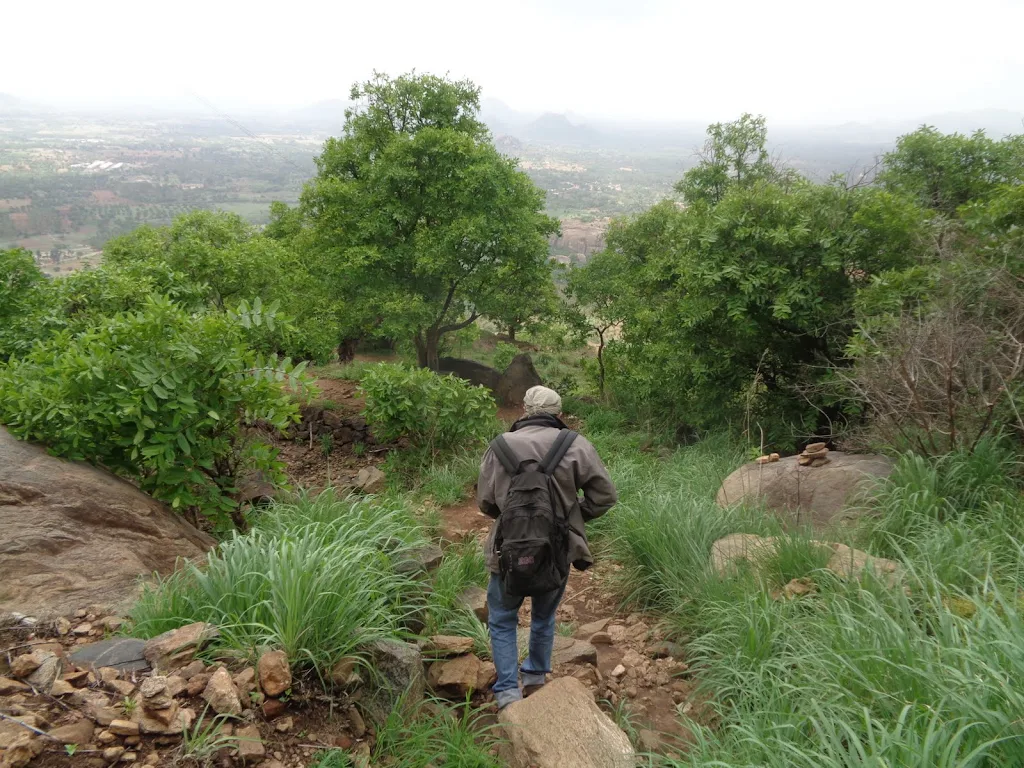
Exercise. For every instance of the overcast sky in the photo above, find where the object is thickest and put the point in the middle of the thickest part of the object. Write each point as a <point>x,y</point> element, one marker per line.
<point>792,60</point>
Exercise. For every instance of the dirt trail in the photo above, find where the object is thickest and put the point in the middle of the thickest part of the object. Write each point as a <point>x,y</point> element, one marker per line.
<point>652,692</point>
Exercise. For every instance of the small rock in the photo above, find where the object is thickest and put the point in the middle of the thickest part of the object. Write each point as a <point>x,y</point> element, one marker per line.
<point>619,671</point>
<point>113,754</point>
<point>79,732</point>
<point>81,613</point>
<point>590,628</point>
<point>245,681</point>
<point>283,725</point>
<point>250,745</point>
<point>271,763</point>
<point>275,673</point>
<point>124,728</point>
<point>82,629</point>
<point>27,663</point>
<point>799,588</point>
<point>178,646</point>
<point>457,677</point>
<point>193,668</point>
<point>129,757</point>
<point>600,638</point>
<point>423,559</point>
<point>152,759</point>
<point>449,645</point>
<point>175,686</point>
<point>273,708</point>
<point>9,687</point>
<point>221,695</point>
<point>43,678</point>
<point>107,674</point>
<point>112,623</point>
<point>22,751</point>
<point>666,650</point>
<point>197,683</point>
<point>475,599</point>
<point>61,688</point>
<point>648,741</point>
<point>346,673</point>
<point>371,480</point>
<point>63,626</point>
<point>571,651</point>
<point>357,722</point>
<point>106,737</point>
<point>154,694</point>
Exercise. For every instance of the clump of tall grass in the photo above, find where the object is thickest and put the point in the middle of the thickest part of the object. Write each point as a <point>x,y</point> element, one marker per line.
<point>315,578</point>
<point>433,735</point>
<point>864,675</point>
<point>962,513</point>
<point>463,567</point>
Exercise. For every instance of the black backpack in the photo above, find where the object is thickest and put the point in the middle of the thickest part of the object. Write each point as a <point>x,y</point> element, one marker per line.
<point>532,539</point>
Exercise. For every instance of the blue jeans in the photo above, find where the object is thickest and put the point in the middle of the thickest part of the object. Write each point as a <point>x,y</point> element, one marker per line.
<point>503,622</point>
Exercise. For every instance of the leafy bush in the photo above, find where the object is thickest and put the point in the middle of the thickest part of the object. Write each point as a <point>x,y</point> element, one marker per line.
<point>315,578</point>
<point>503,354</point>
<point>434,412</point>
<point>161,396</point>
<point>22,294</point>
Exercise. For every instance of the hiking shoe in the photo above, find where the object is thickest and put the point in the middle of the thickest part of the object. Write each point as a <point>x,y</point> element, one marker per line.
<point>533,682</point>
<point>504,698</point>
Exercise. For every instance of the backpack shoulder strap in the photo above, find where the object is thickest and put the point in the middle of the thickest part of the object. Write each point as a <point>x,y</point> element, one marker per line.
<point>558,450</point>
<point>505,455</point>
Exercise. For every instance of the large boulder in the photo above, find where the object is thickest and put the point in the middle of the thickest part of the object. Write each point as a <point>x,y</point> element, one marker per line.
<point>517,378</point>
<point>560,726</point>
<point>76,535</point>
<point>805,495</point>
<point>398,680</point>
<point>508,388</point>
<point>471,371</point>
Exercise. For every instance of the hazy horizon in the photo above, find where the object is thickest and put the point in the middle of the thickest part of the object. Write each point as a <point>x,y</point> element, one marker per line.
<point>646,61</point>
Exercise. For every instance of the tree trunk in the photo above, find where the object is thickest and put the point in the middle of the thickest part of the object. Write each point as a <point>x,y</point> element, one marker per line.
<point>347,350</point>
<point>427,344</point>
<point>512,333</point>
<point>600,363</point>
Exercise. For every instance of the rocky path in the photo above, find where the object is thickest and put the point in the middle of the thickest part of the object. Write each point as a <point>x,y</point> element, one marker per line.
<point>621,658</point>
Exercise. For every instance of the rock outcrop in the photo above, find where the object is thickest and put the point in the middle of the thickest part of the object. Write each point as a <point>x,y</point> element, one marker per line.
<point>509,387</point>
<point>816,494</point>
<point>560,726</point>
<point>75,534</point>
<point>729,553</point>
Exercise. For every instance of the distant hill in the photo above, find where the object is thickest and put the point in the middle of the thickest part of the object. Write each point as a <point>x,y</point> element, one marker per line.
<point>550,128</point>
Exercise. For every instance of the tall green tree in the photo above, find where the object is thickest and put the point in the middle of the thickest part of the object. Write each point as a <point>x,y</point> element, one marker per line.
<point>424,223</point>
<point>734,154</point>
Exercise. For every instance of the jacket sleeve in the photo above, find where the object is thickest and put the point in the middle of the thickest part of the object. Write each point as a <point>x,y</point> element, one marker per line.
<point>485,496</point>
<point>599,494</point>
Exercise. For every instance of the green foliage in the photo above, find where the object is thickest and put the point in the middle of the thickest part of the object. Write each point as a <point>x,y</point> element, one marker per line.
<point>22,293</point>
<point>943,172</point>
<point>161,396</point>
<point>422,224</point>
<point>315,578</point>
<point>503,354</point>
<point>231,262</point>
<point>434,412</point>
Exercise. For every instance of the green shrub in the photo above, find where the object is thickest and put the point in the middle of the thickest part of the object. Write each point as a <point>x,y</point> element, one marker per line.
<point>503,354</point>
<point>435,736</point>
<point>314,578</point>
<point>434,412</point>
<point>160,396</point>
<point>22,296</point>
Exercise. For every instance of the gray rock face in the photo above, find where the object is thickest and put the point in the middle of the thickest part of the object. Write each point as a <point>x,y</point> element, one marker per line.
<point>75,535</point>
<point>560,726</point>
<point>804,495</point>
<point>571,651</point>
<point>400,672</point>
<point>124,654</point>
<point>517,378</point>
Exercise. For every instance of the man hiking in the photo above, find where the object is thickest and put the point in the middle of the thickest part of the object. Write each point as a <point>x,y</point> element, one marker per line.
<point>530,479</point>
